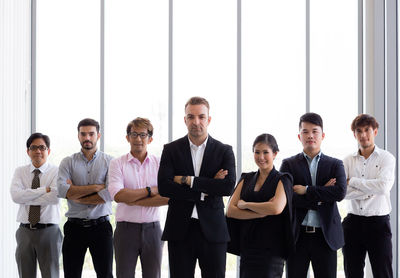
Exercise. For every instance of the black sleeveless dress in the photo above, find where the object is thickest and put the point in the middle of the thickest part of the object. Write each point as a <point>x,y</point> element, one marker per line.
<point>266,242</point>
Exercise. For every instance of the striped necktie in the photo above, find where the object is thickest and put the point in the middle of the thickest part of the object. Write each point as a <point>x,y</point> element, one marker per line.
<point>34,211</point>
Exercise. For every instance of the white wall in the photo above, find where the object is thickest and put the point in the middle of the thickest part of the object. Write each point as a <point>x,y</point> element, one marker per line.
<point>15,116</point>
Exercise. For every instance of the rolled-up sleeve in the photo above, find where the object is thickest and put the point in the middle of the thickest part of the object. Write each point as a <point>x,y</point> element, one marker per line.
<point>115,178</point>
<point>64,173</point>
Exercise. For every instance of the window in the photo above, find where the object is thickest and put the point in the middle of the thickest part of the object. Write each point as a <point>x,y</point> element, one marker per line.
<point>138,71</point>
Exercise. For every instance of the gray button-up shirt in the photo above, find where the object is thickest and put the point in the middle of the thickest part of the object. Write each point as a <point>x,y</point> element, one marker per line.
<point>312,217</point>
<point>84,172</point>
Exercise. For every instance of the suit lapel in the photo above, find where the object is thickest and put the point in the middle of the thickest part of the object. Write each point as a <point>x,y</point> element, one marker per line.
<point>188,156</point>
<point>306,172</point>
<point>207,155</point>
<point>319,168</point>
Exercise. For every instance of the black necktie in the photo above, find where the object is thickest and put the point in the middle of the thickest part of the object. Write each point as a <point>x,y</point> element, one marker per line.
<point>34,211</point>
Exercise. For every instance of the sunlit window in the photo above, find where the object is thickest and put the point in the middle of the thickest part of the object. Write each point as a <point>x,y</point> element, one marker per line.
<point>138,72</point>
<point>67,70</point>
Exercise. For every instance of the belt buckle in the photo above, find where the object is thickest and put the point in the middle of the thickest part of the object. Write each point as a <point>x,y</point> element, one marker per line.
<point>32,226</point>
<point>85,221</point>
<point>310,230</point>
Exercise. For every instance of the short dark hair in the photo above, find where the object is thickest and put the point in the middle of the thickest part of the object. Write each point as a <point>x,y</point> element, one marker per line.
<point>197,101</point>
<point>140,123</point>
<point>364,120</point>
<point>267,139</point>
<point>312,118</point>
<point>89,122</point>
<point>38,135</point>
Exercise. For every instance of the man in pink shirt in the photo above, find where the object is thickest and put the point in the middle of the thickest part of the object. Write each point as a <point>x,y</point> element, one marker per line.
<point>133,185</point>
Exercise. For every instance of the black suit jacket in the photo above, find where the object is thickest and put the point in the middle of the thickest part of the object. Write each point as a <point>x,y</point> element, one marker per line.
<point>320,198</point>
<point>176,160</point>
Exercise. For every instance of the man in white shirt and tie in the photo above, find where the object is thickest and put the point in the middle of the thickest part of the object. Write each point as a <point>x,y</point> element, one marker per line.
<point>33,187</point>
<point>370,177</point>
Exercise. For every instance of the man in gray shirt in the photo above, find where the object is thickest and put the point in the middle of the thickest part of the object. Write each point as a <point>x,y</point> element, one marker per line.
<point>82,180</point>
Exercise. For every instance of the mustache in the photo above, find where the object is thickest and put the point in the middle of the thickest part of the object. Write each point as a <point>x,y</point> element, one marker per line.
<point>87,141</point>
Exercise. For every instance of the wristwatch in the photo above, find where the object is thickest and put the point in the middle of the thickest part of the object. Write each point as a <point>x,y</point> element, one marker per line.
<point>184,179</point>
<point>148,191</point>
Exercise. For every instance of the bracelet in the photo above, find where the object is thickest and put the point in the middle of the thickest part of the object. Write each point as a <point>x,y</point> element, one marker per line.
<point>148,191</point>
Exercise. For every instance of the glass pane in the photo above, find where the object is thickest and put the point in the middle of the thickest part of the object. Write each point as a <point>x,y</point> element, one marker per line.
<point>334,71</point>
<point>273,74</point>
<point>136,70</point>
<point>68,70</point>
<point>204,63</point>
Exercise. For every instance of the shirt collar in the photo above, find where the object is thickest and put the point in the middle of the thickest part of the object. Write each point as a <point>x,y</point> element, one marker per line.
<point>134,159</point>
<point>193,146</point>
<point>318,156</point>
<point>42,168</point>
<point>377,151</point>
<point>94,156</point>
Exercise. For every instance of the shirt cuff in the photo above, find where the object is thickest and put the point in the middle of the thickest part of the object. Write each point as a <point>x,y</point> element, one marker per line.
<point>62,190</point>
<point>191,181</point>
<point>105,195</point>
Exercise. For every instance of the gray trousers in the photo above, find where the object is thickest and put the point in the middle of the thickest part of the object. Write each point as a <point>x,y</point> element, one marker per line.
<point>41,246</point>
<point>138,239</point>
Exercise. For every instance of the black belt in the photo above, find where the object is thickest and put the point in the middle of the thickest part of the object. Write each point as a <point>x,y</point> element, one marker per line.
<point>310,229</point>
<point>89,222</point>
<point>144,224</point>
<point>36,226</point>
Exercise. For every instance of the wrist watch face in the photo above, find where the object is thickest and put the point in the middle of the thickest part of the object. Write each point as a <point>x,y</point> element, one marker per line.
<point>184,179</point>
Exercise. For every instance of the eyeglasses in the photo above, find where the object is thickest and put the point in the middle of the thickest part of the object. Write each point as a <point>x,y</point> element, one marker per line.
<point>40,147</point>
<point>135,135</point>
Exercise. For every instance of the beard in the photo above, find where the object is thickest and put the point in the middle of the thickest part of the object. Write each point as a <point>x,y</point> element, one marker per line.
<point>87,146</point>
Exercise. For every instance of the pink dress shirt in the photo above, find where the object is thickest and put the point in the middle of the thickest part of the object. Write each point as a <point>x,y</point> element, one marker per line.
<point>127,172</point>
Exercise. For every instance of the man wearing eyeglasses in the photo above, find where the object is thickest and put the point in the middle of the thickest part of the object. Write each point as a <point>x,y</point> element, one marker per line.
<point>133,185</point>
<point>196,171</point>
<point>33,187</point>
<point>82,180</point>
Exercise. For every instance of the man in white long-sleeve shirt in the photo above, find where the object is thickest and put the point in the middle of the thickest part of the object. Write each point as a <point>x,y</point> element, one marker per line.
<point>34,188</point>
<point>370,177</point>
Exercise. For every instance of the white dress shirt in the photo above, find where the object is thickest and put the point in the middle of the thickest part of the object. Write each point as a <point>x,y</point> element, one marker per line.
<point>23,194</point>
<point>370,181</point>
<point>197,158</point>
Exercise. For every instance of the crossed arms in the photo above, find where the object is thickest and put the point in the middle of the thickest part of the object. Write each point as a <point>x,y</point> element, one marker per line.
<point>310,197</point>
<point>169,181</point>
<point>240,209</point>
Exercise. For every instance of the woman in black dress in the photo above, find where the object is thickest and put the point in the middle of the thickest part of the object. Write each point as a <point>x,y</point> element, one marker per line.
<point>263,200</point>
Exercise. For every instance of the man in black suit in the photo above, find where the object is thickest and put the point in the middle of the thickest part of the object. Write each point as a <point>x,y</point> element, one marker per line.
<point>319,182</point>
<point>195,172</point>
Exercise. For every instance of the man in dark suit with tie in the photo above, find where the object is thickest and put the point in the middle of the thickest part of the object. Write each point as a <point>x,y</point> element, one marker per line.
<point>195,172</point>
<point>319,182</point>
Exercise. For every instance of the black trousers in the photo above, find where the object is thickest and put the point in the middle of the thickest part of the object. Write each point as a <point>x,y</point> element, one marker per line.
<point>77,239</point>
<point>367,234</point>
<point>183,255</point>
<point>256,263</point>
<point>312,247</point>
